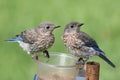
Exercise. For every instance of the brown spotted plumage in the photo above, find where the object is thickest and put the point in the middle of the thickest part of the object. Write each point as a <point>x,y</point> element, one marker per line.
<point>81,44</point>
<point>38,39</point>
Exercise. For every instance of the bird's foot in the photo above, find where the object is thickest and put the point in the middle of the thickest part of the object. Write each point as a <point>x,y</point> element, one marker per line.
<point>35,57</point>
<point>46,53</point>
<point>81,63</point>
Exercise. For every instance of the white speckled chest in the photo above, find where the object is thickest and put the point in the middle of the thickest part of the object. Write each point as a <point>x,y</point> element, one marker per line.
<point>72,43</point>
<point>43,43</point>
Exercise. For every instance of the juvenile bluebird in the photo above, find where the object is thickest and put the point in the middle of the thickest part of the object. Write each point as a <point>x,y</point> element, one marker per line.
<point>36,40</point>
<point>81,44</point>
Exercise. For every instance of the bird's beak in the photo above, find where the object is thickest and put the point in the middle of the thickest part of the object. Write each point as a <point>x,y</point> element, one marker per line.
<point>57,26</point>
<point>81,24</point>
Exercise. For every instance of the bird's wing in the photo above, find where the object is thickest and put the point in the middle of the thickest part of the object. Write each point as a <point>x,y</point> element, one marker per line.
<point>88,41</point>
<point>29,36</point>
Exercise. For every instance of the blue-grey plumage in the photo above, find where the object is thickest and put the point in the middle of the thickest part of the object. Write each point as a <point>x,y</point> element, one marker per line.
<point>15,39</point>
<point>36,40</point>
<point>81,44</point>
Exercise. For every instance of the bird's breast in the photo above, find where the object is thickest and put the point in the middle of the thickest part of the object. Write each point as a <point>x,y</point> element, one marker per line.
<point>73,44</point>
<point>69,40</point>
<point>43,43</point>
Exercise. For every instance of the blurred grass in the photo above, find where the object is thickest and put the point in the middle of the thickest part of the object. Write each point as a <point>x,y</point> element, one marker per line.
<point>101,20</point>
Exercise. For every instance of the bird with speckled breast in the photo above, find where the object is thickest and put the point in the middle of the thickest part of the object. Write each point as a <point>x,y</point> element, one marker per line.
<point>81,44</point>
<point>36,40</point>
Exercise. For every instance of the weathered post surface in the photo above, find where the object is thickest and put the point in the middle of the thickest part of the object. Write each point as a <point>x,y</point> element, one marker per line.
<point>92,71</point>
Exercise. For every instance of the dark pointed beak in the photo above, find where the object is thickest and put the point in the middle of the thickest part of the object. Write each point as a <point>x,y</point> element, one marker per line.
<point>81,24</point>
<point>57,26</point>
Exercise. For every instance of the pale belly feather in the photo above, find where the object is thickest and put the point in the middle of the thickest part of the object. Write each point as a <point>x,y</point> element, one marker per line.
<point>25,46</point>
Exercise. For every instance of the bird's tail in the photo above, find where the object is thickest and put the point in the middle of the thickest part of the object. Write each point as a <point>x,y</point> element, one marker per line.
<point>101,55</point>
<point>15,39</point>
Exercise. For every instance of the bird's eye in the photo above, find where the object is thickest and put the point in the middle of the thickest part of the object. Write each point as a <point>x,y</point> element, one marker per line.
<point>71,26</point>
<point>47,27</point>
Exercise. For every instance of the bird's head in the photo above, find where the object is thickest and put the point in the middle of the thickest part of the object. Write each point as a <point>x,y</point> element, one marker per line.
<point>73,27</point>
<point>47,27</point>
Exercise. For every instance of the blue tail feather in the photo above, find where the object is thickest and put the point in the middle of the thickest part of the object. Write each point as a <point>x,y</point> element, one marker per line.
<point>15,39</point>
<point>106,59</point>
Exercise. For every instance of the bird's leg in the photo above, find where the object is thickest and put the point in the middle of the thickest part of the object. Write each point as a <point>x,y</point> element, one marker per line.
<point>80,61</point>
<point>85,60</point>
<point>34,56</point>
<point>46,54</point>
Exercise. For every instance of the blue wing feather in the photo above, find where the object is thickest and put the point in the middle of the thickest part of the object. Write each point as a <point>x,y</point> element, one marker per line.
<point>96,47</point>
<point>89,42</point>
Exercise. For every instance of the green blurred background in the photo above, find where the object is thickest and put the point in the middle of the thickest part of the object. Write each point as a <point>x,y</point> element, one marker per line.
<point>102,22</point>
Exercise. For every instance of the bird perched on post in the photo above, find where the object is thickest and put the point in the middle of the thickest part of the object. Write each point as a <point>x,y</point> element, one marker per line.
<point>81,44</point>
<point>36,40</point>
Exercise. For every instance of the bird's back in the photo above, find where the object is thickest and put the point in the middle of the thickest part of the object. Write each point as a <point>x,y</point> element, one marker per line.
<point>85,38</point>
<point>29,36</point>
